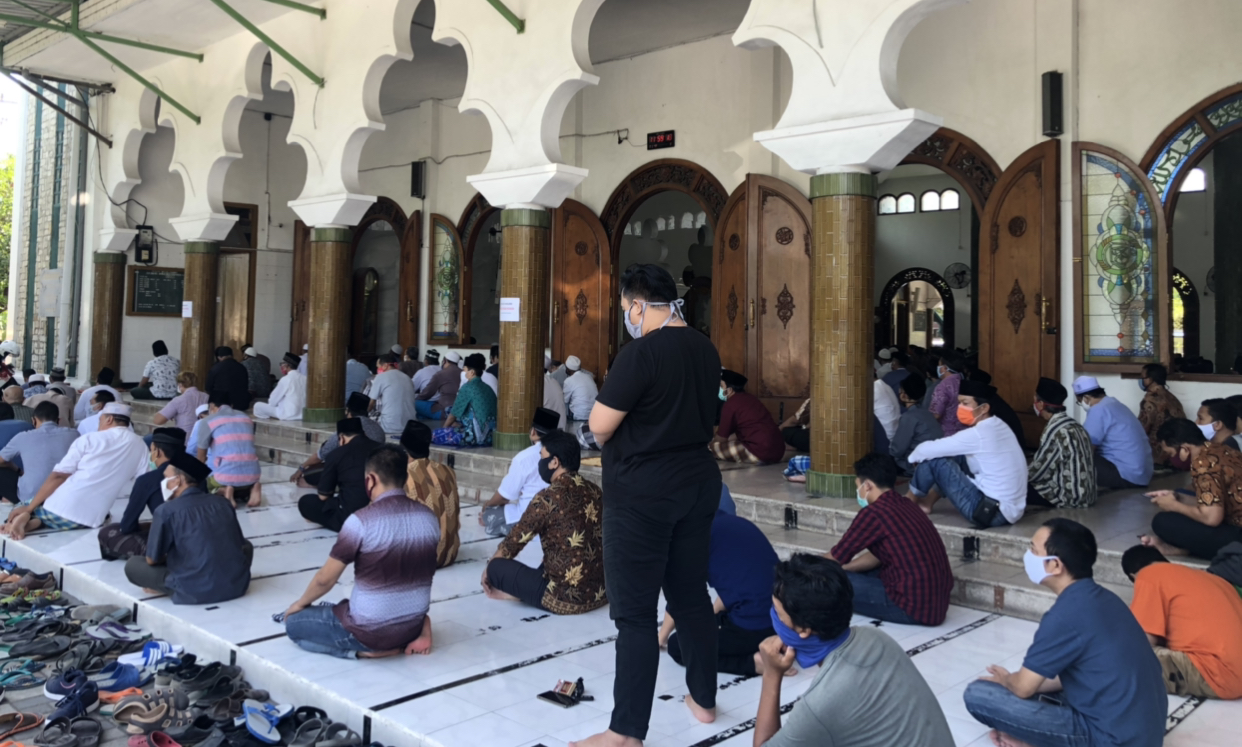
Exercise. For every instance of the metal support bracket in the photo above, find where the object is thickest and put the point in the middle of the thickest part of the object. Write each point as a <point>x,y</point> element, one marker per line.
<point>33,92</point>
<point>271,43</point>
<point>321,12</point>
<point>503,10</point>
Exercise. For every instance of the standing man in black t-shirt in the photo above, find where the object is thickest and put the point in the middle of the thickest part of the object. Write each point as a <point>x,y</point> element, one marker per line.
<point>654,418</point>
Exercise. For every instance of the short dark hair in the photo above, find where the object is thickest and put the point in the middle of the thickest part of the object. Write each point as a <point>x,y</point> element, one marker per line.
<point>220,398</point>
<point>564,447</point>
<point>224,351</point>
<point>55,377</point>
<point>901,359</point>
<point>495,352</point>
<point>1074,544</point>
<point>159,348</point>
<point>1157,373</point>
<point>914,385</point>
<point>388,359</point>
<point>105,377</point>
<point>47,411</point>
<point>1178,432</point>
<point>1139,557</point>
<point>1236,401</point>
<point>475,363</point>
<point>103,397</point>
<point>120,419</point>
<point>815,593</point>
<point>6,411</point>
<point>28,372</point>
<point>1222,410</point>
<point>880,469</point>
<point>953,360</point>
<point>388,463</point>
<point>650,283</point>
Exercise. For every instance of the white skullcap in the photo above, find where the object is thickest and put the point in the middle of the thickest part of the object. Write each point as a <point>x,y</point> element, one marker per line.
<point>1085,384</point>
<point>452,357</point>
<point>885,354</point>
<point>397,350</point>
<point>306,346</point>
<point>37,379</point>
<point>251,352</point>
<point>573,363</point>
<point>200,410</point>
<point>117,408</point>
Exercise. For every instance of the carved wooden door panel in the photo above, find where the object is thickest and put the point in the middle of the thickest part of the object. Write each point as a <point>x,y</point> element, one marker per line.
<point>582,288</point>
<point>1019,277</point>
<point>299,312</point>
<point>407,285</point>
<point>732,312</point>
<point>779,238</point>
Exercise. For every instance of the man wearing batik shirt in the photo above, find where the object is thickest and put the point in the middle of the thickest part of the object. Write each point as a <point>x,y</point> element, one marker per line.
<point>566,517</point>
<point>435,486</point>
<point>1062,473</point>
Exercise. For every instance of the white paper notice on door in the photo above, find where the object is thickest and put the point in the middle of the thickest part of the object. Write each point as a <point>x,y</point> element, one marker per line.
<point>187,309</point>
<point>510,309</point>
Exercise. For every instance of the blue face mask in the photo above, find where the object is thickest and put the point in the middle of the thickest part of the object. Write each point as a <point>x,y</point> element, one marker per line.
<point>1142,385</point>
<point>862,502</point>
<point>721,394</point>
<point>811,650</point>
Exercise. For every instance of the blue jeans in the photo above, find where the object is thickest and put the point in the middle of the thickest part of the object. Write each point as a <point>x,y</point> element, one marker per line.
<point>423,408</point>
<point>1032,720</point>
<point>870,599</point>
<point>948,475</point>
<point>726,501</point>
<point>317,630</point>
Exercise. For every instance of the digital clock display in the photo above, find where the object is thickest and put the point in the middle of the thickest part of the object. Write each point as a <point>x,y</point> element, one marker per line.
<point>658,140</point>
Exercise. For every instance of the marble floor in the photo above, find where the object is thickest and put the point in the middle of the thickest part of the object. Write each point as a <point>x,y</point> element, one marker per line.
<point>491,659</point>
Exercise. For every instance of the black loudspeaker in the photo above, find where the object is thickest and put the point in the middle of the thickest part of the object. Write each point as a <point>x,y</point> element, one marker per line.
<point>1053,104</point>
<point>418,179</point>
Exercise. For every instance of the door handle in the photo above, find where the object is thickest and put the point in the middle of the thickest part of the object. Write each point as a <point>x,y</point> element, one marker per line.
<point>752,314</point>
<point>1045,315</point>
<point>556,311</point>
<point>409,310</point>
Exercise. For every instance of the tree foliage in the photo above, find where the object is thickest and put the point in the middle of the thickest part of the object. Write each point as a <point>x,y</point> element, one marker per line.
<point>6,226</point>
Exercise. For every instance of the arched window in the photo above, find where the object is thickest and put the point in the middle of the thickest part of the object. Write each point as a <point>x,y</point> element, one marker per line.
<point>1196,181</point>
<point>888,205</point>
<point>905,203</point>
<point>700,220</point>
<point>950,200</point>
<point>930,201</point>
<point>687,220</point>
<point>629,230</point>
<point>660,224</point>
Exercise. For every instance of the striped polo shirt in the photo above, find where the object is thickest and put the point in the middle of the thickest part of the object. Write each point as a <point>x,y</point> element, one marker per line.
<point>232,460</point>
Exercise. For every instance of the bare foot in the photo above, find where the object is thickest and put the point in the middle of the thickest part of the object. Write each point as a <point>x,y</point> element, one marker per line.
<point>1000,739</point>
<point>796,478</point>
<point>607,739</point>
<point>16,528</point>
<point>421,644</point>
<point>500,596</point>
<point>759,667</point>
<point>705,715</point>
<point>256,496</point>
<point>1164,547</point>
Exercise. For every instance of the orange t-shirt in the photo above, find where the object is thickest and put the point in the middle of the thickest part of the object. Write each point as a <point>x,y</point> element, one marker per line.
<point>1197,613</point>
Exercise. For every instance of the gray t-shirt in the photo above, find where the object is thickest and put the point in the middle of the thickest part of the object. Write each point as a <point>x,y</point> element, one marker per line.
<point>870,675</point>
<point>393,393</point>
<point>915,426</point>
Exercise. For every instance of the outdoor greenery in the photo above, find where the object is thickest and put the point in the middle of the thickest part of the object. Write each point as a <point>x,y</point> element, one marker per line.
<point>6,234</point>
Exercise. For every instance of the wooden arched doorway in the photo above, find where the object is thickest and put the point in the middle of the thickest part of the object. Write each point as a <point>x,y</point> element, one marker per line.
<point>884,309</point>
<point>384,222</point>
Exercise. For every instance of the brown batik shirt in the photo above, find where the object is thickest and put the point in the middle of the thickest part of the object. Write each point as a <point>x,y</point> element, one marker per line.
<point>435,486</point>
<point>567,517</point>
<point>1217,477</point>
<point>1158,405</point>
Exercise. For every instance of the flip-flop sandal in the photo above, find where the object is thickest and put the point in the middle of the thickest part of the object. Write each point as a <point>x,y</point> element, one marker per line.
<point>15,667</point>
<point>55,733</point>
<point>43,648</point>
<point>24,681</point>
<point>111,630</point>
<point>339,735</point>
<point>87,730</point>
<point>7,565</point>
<point>261,721</point>
<point>15,723</point>
<point>308,733</point>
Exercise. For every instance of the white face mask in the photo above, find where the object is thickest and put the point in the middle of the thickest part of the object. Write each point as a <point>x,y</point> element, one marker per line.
<point>166,488</point>
<point>1208,431</point>
<point>1035,566</point>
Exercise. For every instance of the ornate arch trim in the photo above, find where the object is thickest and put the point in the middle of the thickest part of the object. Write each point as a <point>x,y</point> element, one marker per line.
<point>471,222</point>
<point>383,209</point>
<point>1185,288</point>
<point>961,158</point>
<point>1184,143</point>
<point>659,176</point>
<point>884,310</point>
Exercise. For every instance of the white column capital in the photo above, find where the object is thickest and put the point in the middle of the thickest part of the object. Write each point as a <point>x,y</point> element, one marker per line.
<point>870,143</point>
<point>115,240</point>
<point>539,186</point>
<point>203,226</point>
<point>343,209</point>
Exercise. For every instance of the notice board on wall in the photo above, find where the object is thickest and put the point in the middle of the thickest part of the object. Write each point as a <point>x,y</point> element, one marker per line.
<point>154,291</point>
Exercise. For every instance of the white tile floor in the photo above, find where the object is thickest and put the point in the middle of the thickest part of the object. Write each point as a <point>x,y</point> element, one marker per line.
<point>456,698</point>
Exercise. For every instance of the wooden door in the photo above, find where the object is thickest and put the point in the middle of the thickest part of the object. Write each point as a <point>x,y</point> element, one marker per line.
<point>582,288</point>
<point>299,314</point>
<point>732,310</point>
<point>446,317</point>
<point>1019,275</point>
<point>411,265</point>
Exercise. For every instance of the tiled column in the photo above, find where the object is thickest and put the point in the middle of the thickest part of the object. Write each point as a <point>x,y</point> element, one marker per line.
<point>198,331</point>
<point>842,316</point>
<point>331,270</point>
<point>108,309</point>
<point>524,275</point>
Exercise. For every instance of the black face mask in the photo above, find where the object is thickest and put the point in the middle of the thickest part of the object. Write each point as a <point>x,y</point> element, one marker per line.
<point>545,470</point>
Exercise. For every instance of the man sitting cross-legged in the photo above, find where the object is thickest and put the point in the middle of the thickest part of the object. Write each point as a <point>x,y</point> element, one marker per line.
<point>308,473</point>
<point>747,432</point>
<point>121,541</point>
<point>740,565</point>
<point>994,494</point>
<point>567,516</point>
<point>392,544</point>
<point>1122,452</point>
<point>342,489</point>
<point>521,482</point>
<point>434,485</point>
<point>916,423</point>
<point>892,554</point>
<point>36,452</point>
<point>1218,419</point>
<point>83,486</point>
<point>1089,677</point>
<point>1193,620</point>
<point>1215,519</point>
<point>196,552</point>
<point>867,692</point>
<point>1062,473</point>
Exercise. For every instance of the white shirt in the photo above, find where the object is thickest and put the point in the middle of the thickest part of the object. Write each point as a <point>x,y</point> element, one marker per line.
<point>422,376</point>
<point>554,397</point>
<point>580,394</point>
<point>101,467</point>
<point>522,482</point>
<point>83,408</point>
<point>89,425</point>
<point>887,408</point>
<point>880,371</point>
<point>994,457</point>
<point>302,363</point>
<point>489,379</point>
<point>289,397</point>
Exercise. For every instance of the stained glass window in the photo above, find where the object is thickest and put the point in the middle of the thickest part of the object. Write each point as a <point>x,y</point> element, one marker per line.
<point>1174,156</point>
<point>950,200</point>
<point>446,283</point>
<point>1119,263</point>
<point>905,203</point>
<point>930,202</point>
<point>888,205</point>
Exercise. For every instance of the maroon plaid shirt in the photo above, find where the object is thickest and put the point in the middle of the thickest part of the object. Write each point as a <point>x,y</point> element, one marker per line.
<point>914,566</point>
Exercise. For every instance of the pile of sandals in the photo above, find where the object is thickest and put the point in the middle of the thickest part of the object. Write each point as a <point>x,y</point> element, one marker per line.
<point>87,659</point>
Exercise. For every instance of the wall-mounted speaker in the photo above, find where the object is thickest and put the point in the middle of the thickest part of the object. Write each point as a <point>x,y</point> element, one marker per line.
<point>418,179</point>
<point>1054,107</point>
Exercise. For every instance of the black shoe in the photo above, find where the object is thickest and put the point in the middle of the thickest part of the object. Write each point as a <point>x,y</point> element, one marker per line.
<point>202,728</point>
<point>198,679</point>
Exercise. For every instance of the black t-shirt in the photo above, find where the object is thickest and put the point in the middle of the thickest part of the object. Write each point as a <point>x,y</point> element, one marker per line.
<point>344,469</point>
<point>667,381</point>
<point>230,376</point>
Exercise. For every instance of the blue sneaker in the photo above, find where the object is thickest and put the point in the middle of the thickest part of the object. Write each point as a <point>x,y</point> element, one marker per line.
<point>67,683</point>
<point>80,703</point>
<point>116,677</point>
